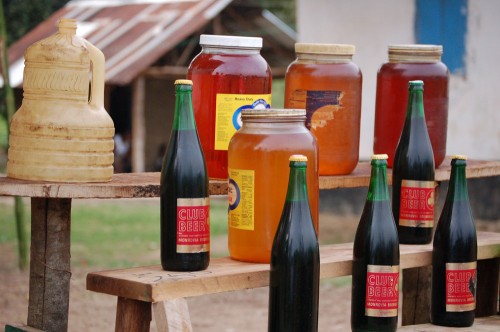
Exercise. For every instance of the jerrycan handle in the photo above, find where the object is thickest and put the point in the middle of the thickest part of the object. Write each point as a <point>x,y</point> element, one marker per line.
<point>96,98</point>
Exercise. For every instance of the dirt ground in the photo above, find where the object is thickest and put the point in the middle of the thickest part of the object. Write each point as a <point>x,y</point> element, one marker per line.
<point>227,312</point>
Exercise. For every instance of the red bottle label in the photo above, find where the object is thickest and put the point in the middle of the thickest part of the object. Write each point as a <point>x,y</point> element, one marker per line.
<point>193,225</point>
<point>382,291</point>
<point>461,279</point>
<point>416,208</point>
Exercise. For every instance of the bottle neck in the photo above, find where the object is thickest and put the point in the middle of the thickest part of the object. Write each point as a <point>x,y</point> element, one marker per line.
<point>416,104</point>
<point>183,117</point>
<point>297,184</point>
<point>378,189</point>
<point>457,190</point>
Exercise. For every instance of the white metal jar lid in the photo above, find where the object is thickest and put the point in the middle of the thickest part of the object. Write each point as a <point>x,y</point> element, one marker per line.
<point>231,41</point>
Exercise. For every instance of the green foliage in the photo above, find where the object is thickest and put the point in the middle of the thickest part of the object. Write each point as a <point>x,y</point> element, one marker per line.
<point>24,15</point>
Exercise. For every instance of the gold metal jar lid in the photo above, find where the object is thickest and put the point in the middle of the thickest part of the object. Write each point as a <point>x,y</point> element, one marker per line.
<point>415,53</point>
<point>332,49</point>
<point>273,114</point>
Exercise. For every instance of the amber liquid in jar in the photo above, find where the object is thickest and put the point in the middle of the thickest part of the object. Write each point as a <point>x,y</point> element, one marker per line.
<point>325,82</point>
<point>258,181</point>
<point>239,73</point>
<point>392,100</point>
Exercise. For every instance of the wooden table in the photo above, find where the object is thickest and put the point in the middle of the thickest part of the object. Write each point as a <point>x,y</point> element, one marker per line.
<point>50,268</point>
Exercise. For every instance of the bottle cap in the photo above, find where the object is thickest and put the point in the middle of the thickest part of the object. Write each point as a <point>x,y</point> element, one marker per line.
<point>340,49</point>
<point>187,82</point>
<point>231,41</point>
<point>416,84</point>
<point>380,157</point>
<point>459,156</point>
<point>298,157</point>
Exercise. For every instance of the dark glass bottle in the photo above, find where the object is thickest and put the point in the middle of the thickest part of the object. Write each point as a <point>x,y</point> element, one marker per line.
<point>413,174</point>
<point>184,196</point>
<point>294,278</point>
<point>454,255</point>
<point>375,268</point>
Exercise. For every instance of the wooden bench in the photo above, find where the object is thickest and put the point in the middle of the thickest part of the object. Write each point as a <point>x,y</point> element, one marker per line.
<point>142,290</point>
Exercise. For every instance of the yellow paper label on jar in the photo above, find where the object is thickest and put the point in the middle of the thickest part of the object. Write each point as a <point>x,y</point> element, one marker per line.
<point>228,109</point>
<point>240,195</point>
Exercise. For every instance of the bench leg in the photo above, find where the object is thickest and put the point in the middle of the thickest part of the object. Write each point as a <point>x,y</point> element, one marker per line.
<point>416,295</point>
<point>132,315</point>
<point>172,316</point>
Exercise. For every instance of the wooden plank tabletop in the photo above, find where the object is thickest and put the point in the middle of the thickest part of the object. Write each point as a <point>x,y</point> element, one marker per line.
<point>143,185</point>
<point>152,284</point>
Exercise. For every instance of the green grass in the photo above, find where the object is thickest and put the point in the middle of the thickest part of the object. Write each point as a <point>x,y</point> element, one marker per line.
<point>278,93</point>
<point>3,143</point>
<point>113,233</point>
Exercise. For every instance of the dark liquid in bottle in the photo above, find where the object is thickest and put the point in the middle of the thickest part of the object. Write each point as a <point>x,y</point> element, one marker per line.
<point>376,249</point>
<point>452,248</point>
<point>183,177</point>
<point>294,281</point>
<point>412,169</point>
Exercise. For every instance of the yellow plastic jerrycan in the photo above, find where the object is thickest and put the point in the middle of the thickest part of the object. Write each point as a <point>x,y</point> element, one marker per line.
<point>62,132</point>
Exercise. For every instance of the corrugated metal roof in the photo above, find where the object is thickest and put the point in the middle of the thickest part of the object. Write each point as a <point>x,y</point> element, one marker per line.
<point>132,34</point>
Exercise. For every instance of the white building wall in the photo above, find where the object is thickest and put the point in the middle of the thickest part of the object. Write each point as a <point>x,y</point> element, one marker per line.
<point>474,109</point>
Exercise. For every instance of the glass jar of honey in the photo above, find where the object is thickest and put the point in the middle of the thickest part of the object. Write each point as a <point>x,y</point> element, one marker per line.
<point>407,63</point>
<point>258,178</point>
<point>324,80</point>
<point>228,75</point>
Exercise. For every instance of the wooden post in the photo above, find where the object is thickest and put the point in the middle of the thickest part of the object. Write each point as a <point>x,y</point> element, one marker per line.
<point>416,295</point>
<point>487,287</point>
<point>50,264</point>
<point>138,125</point>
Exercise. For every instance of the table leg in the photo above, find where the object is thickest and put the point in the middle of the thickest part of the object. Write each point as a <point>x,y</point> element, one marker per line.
<point>49,264</point>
